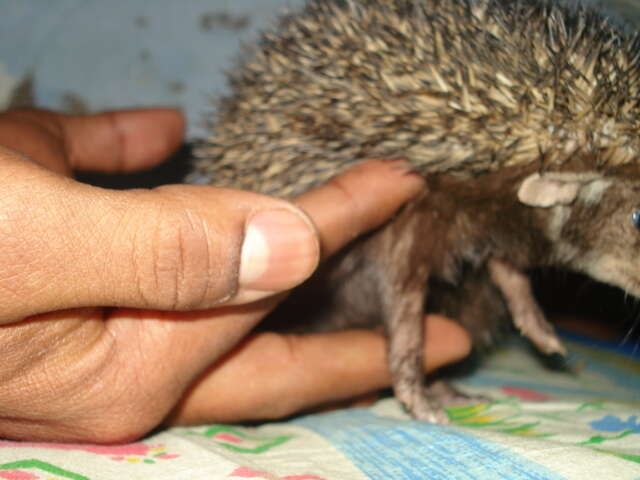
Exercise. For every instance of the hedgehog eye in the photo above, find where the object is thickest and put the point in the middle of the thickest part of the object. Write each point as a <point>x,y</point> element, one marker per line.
<point>635,218</point>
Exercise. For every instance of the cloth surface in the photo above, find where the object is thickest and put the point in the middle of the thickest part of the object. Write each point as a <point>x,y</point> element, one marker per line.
<point>579,423</point>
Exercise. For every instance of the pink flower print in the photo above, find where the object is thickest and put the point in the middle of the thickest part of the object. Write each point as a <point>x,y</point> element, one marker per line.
<point>17,475</point>
<point>247,472</point>
<point>133,452</point>
<point>525,394</point>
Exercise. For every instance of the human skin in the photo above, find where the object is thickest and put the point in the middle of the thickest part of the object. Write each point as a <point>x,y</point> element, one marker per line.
<point>126,310</point>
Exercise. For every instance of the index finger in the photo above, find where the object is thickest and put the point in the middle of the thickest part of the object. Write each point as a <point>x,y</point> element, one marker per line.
<point>291,373</point>
<point>359,200</point>
<point>122,141</point>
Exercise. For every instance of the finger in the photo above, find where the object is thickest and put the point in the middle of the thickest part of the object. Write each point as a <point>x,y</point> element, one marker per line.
<point>182,247</point>
<point>117,141</point>
<point>37,134</point>
<point>293,373</point>
<point>359,200</point>
<point>179,247</point>
<point>122,141</point>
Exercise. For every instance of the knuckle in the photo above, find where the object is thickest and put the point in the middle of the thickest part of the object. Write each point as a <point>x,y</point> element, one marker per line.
<point>181,273</point>
<point>343,189</point>
<point>285,354</point>
<point>350,201</point>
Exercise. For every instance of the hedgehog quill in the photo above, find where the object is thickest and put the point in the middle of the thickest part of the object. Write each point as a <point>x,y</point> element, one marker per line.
<point>522,115</point>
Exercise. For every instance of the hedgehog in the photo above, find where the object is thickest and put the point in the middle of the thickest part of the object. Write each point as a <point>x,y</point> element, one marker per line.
<point>522,115</point>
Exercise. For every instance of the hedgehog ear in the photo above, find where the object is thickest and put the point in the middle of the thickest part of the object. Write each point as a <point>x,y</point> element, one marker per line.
<point>552,189</point>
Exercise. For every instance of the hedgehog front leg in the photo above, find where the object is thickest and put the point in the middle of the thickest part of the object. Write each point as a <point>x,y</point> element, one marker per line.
<point>403,273</point>
<point>527,315</point>
<point>404,322</point>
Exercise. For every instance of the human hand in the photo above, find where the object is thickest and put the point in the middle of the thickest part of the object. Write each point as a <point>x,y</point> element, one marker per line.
<point>124,309</point>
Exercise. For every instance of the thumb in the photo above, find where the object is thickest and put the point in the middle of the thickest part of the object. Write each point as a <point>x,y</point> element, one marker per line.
<point>178,247</point>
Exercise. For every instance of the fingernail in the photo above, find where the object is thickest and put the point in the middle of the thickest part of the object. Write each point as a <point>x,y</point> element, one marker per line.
<point>400,166</point>
<point>280,250</point>
<point>403,165</point>
<point>407,171</point>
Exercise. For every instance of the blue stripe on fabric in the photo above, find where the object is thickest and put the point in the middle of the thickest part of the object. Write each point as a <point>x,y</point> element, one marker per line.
<point>391,449</point>
<point>621,348</point>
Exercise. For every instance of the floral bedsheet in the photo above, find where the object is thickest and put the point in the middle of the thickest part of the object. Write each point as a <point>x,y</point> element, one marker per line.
<point>579,423</point>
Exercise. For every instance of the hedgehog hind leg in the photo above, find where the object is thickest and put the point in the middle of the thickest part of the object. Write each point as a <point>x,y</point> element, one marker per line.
<point>476,303</point>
